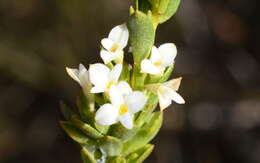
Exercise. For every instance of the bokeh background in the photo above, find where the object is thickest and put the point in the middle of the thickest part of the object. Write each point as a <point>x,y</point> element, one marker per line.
<point>218,57</point>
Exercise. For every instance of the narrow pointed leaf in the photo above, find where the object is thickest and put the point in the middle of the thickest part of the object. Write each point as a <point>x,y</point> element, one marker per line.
<point>111,146</point>
<point>144,135</point>
<point>140,155</point>
<point>76,134</point>
<point>87,157</point>
<point>87,129</point>
<point>67,112</point>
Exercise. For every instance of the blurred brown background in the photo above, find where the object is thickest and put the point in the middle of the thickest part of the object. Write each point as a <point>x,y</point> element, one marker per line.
<point>218,56</point>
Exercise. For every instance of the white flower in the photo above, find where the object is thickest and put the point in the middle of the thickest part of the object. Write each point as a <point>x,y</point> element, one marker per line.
<point>125,103</point>
<point>161,58</point>
<point>102,77</point>
<point>114,44</point>
<point>167,92</point>
<point>81,76</point>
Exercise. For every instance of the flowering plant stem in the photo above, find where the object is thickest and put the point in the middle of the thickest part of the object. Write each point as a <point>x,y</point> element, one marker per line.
<point>117,117</point>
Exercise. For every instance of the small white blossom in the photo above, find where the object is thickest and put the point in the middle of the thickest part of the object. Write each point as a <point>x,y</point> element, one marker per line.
<point>167,92</point>
<point>81,76</point>
<point>161,58</point>
<point>124,103</point>
<point>114,44</point>
<point>102,77</point>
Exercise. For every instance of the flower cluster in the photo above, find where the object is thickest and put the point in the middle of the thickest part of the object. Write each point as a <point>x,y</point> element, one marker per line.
<point>121,101</point>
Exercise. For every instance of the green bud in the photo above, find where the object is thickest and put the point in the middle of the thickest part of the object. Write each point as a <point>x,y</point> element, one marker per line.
<point>142,35</point>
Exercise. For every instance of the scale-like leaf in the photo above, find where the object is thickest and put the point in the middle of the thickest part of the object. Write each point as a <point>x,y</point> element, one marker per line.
<point>111,146</point>
<point>144,135</point>
<point>87,156</point>
<point>140,155</point>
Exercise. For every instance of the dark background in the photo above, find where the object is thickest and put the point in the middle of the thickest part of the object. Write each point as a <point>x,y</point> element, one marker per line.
<point>218,57</point>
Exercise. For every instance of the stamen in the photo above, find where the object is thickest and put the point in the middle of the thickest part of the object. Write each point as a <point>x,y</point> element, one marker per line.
<point>123,109</point>
<point>158,63</point>
<point>114,48</point>
<point>108,85</point>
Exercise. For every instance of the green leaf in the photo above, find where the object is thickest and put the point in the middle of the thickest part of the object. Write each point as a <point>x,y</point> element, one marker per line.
<point>117,159</point>
<point>102,129</point>
<point>140,155</point>
<point>138,78</point>
<point>76,134</point>
<point>87,156</point>
<point>144,5</point>
<point>67,112</point>
<point>144,135</point>
<point>166,74</point>
<point>87,129</point>
<point>146,113</point>
<point>111,146</point>
<point>160,78</point>
<point>122,133</point>
<point>125,74</point>
<point>171,9</point>
<point>86,113</point>
<point>142,35</point>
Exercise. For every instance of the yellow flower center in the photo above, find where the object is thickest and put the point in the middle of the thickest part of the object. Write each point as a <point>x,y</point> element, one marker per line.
<point>123,109</point>
<point>158,63</point>
<point>114,48</point>
<point>108,85</point>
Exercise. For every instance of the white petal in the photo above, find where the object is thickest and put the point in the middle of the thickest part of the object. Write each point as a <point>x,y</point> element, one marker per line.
<point>164,101</point>
<point>148,67</point>
<point>73,73</point>
<point>126,120</point>
<point>98,74</point>
<point>124,88</point>
<point>108,56</point>
<point>155,55</point>
<point>174,83</point>
<point>83,75</point>
<point>107,43</point>
<point>135,101</point>
<point>119,35</point>
<point>107,114</point>
<point>115,95</point>
<point>170,93</point>
<point>97,90</point>
<point>115,73</point>
<point>176,97</point>
<point>168,53</point>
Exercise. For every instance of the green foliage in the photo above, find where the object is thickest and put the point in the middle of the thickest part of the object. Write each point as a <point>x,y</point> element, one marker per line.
<point>87,129</point>
<point>76,134</point>
<point>164,9</point>
<point>141,154</point>
<point>111,146</point>
<point>87,156</point>
<point>142,34</point>
<point>144,135</point>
